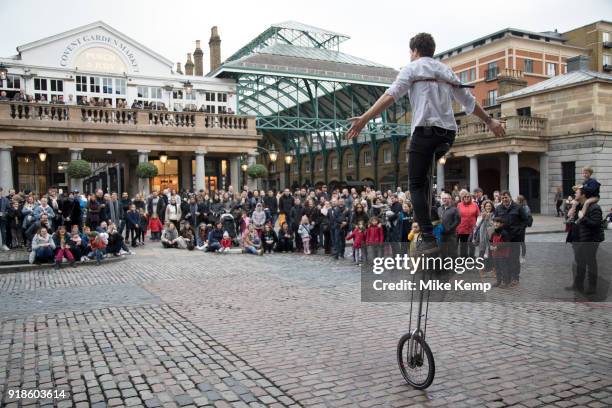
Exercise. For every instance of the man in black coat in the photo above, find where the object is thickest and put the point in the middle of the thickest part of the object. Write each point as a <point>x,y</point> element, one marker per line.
<point>587,233</point>
<point>124,206</point>
<point>295,218</point>
<point>271,206</point>
<point>285,202</point>
<point>338,221</point>
<point>515,218</point>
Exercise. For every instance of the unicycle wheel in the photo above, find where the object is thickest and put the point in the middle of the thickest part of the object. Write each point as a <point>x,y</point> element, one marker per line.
<point>419,368</point>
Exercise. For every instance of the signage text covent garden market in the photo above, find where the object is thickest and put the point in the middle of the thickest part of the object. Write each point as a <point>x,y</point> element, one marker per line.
<point>98,38</point>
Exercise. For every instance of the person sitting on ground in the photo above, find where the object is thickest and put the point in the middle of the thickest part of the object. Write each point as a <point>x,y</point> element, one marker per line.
<point>170,236</point>
<point>202,237</point>
<point>42,247</point>
<point>62,247</point>
<point>226,242</point>
<point>188,236</point>
<point>97,246</point>
<point>214,238</point>
<point>116,243</point>
<point>269,238</point>
<point>252,243</point>
<point>285,239</point>
<point>78,246</point>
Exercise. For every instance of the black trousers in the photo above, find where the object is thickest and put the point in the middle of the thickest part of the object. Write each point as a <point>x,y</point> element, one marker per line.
<point>423,144</point>
<point>586,264</point>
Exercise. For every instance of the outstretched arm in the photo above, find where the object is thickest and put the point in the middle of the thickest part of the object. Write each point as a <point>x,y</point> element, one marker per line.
<point>494,125</point>
<point>359,122</point>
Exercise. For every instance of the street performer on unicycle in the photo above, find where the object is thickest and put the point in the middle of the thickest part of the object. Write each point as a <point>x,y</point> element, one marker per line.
<point>431,87</point>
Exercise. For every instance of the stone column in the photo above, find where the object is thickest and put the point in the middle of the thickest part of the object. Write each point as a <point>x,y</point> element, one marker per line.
<point>439,177</point>
<point>252,159</point>
<point>513,173</point>
<point>503,172</point>
<point>6,168</point>
<point>235,173</point>
<point>186,173</point>
<point>76,184</point>
<point>200,170</point>
<point>143,184</point>
<point>473,173</point>
<point>544,185</point>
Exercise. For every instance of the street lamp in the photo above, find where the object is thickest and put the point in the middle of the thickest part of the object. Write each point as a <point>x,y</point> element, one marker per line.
<point>42,155</point>
<point>288,158</point>
<point>188,87</point>
<point>244,167</point>
<point>3,72</point>
<point>442,160</point>
<point>163,157</point>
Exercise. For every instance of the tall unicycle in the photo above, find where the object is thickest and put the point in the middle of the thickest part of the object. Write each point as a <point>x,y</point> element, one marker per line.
<point>414,357</point>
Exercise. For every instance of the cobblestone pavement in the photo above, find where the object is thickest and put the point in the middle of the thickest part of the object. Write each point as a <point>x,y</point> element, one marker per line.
<point>176,328</point>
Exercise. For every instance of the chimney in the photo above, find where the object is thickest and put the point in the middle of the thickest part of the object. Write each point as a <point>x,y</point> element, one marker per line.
<point>215,49</point>
<point>198,59</point>
<point>578,63</point>
<point>179,70</point>
<point>189,65</point>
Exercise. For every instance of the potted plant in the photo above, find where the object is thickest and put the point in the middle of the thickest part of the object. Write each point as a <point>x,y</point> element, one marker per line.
<point>146,170</point>
<point>257,171</point>
<point>78,169</point>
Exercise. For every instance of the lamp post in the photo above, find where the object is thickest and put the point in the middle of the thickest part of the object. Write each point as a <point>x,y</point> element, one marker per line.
<point>42,155</point>
<point>288,161</point>
<point>3,72</point>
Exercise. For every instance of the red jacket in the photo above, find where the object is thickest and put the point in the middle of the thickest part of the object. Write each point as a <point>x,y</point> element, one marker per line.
<point>469,214</point>
<point>155,225</point>
<point>374,235</point>
<point>357,236</point>
<point>226,243</point>
<point>499,240</point>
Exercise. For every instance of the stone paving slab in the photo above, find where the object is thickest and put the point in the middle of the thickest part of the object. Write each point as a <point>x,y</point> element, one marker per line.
<point>178,328</point>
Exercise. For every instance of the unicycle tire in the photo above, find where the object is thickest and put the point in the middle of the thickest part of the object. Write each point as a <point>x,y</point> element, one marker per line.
<point>419,371</point>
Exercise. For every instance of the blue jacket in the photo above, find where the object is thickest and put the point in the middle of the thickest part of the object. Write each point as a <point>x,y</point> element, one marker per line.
<point>215,235</point>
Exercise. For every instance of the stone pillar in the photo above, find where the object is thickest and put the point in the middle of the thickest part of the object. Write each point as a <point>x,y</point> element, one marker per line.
<point>76,184</point>
<point>252,159</point>
<point>200,170</point>
<point>186,173</point>
<point>513,173</point>
<point>235,173</point>
<point>544,185</point>
<point>6,168</point>
<point>503,172</point>
<point>440,177</point>
<point>143,184</point>
<point>473,173</point>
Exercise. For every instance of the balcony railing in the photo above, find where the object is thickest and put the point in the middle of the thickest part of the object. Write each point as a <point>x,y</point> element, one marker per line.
<point>491,74</point>
<point>489,102</point>
<point>124,119</point>
<point>511,73</point>
<point>514,125</point>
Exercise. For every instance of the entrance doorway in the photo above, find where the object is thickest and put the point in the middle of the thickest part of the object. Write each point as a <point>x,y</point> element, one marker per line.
<point>489,181</point>
<point>529,186</point>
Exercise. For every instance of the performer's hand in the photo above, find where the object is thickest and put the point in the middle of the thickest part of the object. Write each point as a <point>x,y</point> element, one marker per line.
<point>357,125</point>
<point>496,127</point>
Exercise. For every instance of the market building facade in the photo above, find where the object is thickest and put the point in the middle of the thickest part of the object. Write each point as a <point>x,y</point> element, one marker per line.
<point>101,96</point>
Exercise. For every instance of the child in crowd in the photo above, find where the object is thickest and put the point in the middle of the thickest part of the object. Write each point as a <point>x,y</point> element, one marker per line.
<point>304,232</point>
<point>144,222</point>
<point>358,236</point>
<point>500,253</point>
<point>252,243</point>
<point>156,227</point>
<point>97,246</point>
<point>374,238</point>
<point>133,224</point>
<point>285,239</point>
<point>413,237</point>
<point>226,242</point>
<point>269,238</point>
<point>590,188</point>
<point>62,247</point>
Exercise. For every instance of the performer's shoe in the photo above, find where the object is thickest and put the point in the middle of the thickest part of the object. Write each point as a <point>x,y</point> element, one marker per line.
<point>427,244</point>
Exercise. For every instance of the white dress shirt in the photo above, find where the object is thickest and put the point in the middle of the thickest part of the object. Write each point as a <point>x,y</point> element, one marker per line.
<point>431,101</point>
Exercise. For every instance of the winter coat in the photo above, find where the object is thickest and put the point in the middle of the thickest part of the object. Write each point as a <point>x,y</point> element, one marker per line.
<point>499,238</point>
<point>155,225</point>
<point>468,213</point>
<point>358,236</point>
<point>38,240</point>
<point>374,235</point>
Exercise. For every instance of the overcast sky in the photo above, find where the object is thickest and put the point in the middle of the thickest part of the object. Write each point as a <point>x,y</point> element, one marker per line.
<point>379,30</point>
